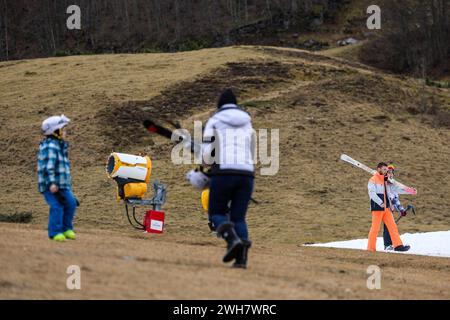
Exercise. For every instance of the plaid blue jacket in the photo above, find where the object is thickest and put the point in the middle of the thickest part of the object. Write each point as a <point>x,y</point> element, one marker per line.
<point>53,164</point>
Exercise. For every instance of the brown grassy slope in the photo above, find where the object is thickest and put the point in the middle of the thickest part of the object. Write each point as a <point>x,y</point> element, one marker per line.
<point>80,87</point>
<point>123,265</point>
<point>322,106</point>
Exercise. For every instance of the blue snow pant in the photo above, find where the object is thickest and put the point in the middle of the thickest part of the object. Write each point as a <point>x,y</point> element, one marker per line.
<point>229,196</point>
<point>61,214</point>
<point>386,237</point>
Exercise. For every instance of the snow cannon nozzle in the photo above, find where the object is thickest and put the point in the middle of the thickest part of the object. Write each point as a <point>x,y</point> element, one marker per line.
<point>132,174</point>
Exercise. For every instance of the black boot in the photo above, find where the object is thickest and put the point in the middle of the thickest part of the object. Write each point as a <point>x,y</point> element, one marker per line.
<point>234,244</point>
<point>241,257</point>
<point>402,248</point>
<point>211,227</point>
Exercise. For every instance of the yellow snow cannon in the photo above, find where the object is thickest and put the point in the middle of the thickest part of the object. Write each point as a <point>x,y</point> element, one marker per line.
<point>131,172</point>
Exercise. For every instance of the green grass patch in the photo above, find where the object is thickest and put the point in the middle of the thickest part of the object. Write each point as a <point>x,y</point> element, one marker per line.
<point>20,217</point>
<point>438,84</point>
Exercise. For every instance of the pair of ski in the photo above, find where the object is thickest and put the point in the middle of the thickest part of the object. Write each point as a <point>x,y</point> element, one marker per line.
<point>153,127</point>
<point>165,132</point>
<point>404,189</point>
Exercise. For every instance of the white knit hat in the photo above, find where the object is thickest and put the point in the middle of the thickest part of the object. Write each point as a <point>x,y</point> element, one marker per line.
<point>50,125</point>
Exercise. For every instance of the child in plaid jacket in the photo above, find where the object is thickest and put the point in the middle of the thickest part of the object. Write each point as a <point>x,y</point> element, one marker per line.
<point>54,179</point>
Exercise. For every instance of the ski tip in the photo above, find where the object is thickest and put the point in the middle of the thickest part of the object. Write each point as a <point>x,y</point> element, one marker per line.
<point>148,123</point>
<point>411,191</point>
<point>150,126</point>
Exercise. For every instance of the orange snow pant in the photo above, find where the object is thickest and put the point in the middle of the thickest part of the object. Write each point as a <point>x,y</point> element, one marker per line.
<point>388,219</point>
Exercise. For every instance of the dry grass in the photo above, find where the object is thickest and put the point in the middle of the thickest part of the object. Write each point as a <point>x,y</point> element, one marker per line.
<point>323,107</point>
<point>123,265</point>
<point>350,52</point>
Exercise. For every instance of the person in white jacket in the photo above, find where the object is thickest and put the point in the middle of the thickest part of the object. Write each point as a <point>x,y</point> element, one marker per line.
<point>228,146</point>
<point>393,193</point>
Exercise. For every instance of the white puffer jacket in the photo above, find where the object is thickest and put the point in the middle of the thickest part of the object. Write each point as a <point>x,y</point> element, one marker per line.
<point>229,142</point>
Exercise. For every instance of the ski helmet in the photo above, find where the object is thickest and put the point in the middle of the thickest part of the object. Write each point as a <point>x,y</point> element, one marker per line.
<point>391,167</point>
<point>50,125</point>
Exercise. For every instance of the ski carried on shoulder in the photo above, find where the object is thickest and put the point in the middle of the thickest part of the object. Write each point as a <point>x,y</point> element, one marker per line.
<point>404,188</point>
<point>153,127</point>
<point>165,132</point>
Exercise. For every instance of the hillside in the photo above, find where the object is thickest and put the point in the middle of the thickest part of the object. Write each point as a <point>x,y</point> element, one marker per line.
<point>323,107</point>
<point>38,29</point>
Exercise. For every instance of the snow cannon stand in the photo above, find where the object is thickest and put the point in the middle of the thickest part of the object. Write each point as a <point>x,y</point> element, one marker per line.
<point>132,174</point>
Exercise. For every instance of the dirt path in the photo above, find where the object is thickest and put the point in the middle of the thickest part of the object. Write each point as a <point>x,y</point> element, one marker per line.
<point>131,265</point>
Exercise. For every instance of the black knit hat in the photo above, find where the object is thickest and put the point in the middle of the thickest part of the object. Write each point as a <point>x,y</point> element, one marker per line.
<point>227,97</point>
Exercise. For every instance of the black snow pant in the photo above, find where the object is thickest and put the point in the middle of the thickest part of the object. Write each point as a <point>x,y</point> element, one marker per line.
<point>386,237</point>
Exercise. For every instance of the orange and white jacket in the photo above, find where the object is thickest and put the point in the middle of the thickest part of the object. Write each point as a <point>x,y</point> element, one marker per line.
<point>378,193</point>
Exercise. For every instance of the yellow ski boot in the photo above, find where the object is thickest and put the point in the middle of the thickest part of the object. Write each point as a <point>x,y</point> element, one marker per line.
<point>69,234</point>
<point>59,237</point>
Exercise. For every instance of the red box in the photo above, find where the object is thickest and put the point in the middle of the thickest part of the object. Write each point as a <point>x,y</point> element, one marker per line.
<point>154,221</point>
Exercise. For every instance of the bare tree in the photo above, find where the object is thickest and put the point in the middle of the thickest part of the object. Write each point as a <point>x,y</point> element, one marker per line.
<point>6,29</point>
<point>415,39</point>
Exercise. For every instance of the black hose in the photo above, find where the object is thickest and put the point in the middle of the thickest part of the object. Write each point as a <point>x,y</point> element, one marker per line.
<point>140,227</point>
<point>134,217</point>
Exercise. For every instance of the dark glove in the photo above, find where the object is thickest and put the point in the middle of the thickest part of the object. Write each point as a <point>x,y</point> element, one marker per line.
<point>403,213</point>
<point>62,200</point>
<point>60,197</point>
